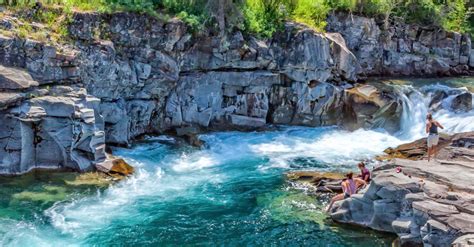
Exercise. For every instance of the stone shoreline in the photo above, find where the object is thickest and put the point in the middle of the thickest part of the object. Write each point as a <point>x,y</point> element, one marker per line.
<point>430,204</point>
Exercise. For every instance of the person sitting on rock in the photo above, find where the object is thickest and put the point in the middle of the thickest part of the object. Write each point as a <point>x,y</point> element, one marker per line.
<point>348,189</point>
<point>433,137</point>
<point>364,174</point>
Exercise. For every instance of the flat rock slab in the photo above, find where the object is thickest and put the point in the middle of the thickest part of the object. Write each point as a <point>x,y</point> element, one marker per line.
<point>462,222</point>
<point>434,208</point>
<point>8,99</point>
<point>455,174</point>
<point>15,78</point>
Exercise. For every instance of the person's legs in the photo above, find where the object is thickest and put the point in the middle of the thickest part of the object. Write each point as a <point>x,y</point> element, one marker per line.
<point>429,143</point>
<point>336,198</point>
<point>434,148</point>
<point>359,184</point>
<point>429,153</point>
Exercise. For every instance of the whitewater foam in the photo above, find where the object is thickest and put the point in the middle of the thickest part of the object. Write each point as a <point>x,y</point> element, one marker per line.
<point>337,148</point>
<point>416,104</point>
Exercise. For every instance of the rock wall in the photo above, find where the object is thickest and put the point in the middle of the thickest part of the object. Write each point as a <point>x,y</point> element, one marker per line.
<point>401,49</point>
<point>124,75</point>
<point>430,206</point>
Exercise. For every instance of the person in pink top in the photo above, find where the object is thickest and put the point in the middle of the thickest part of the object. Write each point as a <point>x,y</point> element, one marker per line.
<point>349,187</point>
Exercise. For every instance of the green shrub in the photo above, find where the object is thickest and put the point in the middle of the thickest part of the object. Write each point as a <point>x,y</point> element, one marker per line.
<point>423,12</point>
<point>264,17</point>
<point>456,16</point>
<point>377,7</point>
<point>312,13</point>
<point>343,5</point>
<point>191,12</point>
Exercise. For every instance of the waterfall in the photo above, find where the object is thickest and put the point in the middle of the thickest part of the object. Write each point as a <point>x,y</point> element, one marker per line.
<point>437,99</point>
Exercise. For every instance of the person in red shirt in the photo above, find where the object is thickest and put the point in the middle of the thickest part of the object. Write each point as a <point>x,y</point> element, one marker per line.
<point>364,172</point>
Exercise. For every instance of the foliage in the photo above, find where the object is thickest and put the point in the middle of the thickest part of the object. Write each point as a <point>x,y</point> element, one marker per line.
<point>342,5</point>
<point>457,16</point>
<point>264,17</point>
<point>424,12</point>
<point>312,13</point>
<point>190,11</point>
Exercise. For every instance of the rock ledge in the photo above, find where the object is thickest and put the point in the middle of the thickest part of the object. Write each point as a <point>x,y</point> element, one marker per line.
<point>427,203</point>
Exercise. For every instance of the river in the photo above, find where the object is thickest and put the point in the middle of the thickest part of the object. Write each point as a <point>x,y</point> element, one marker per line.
<point>231,193</point>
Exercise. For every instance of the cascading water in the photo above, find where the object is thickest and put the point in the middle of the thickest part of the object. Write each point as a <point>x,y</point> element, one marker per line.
<point>438,100</point>
<point>230,193</point>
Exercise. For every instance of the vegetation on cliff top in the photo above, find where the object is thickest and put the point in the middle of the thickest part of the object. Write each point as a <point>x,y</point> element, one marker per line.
<point>261,17</point>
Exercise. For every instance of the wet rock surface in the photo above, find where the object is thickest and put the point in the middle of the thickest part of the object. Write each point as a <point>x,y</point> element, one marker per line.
<point>316,182</point>
<point>368,106</point>
<point>426,203</point>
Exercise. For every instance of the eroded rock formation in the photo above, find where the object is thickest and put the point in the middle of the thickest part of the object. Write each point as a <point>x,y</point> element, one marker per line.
<point>403,49</point>
<point>124,75</point>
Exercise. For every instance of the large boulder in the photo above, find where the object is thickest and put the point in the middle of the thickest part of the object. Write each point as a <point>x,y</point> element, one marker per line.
<point>313,104</point>
<point>362,38</point>
<point>114,166</point>
<point>369,106</point>
<point>53,132</point>
<point>462,102</point>
<point>346,62</point>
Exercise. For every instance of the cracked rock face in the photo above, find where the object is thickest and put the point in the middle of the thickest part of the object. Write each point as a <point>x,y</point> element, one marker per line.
<point>427,203</point>
<point>402,49</point>
<point>53,132</point>
<point>124,75</point>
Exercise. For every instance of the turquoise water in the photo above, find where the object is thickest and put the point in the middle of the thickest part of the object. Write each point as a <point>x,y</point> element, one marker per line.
<point>230,193</point>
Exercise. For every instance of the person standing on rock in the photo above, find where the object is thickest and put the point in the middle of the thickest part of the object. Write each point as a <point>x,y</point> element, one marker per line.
<point>349,187</point>
<point>433,136</point>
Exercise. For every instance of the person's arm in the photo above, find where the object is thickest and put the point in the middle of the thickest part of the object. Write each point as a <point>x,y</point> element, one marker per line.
<point>439,125</point>
<point>428,125</point>
<point>343,186</point>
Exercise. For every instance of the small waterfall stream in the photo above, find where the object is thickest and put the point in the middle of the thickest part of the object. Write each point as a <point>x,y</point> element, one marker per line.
<point>438,100</point>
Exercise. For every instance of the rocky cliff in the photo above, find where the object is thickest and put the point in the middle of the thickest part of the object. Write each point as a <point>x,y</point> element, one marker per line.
<point>425,203</point>
<point>401,49</point>
<point>124,75</point>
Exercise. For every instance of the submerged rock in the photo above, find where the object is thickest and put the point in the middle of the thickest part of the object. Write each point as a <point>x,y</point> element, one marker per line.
<point>98,179</point>
<point>317,181</point>
<point>47,195</point>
